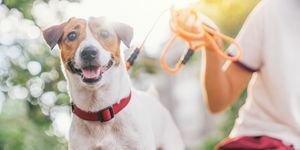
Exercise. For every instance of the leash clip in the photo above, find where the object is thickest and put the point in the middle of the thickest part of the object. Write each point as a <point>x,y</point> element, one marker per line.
<point>132,58</point>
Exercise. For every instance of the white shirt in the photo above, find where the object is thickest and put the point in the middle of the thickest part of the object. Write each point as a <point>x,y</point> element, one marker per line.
<point>270,38</point>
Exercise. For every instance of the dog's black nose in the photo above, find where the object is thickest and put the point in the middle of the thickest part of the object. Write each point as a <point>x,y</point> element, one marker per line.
<point>89,53</point>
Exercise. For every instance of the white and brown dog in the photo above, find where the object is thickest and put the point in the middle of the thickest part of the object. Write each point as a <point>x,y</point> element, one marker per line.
<point>108,113</point>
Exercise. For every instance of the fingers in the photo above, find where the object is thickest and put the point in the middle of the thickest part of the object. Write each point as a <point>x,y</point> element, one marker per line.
<point>217,40</point>
<point>192,21</point>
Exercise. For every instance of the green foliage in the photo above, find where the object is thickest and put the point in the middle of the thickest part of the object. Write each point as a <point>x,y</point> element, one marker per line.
<point>25,123</point>
<point>25,6</point>
<point>229,15</point>
<point>22,5</point>
<point>18,131</point>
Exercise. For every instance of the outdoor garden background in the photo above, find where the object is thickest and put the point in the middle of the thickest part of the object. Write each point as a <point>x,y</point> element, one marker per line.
<point>34,104</point>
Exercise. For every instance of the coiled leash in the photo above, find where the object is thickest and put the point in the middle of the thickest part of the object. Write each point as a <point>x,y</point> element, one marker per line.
<point>183,31</point>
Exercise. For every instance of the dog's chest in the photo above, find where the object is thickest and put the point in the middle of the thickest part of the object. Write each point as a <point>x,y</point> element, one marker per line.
<point>106,136</point>
<point>116,137</point>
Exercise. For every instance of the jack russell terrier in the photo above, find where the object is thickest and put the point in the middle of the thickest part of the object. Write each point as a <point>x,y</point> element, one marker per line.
<point>108,113</point>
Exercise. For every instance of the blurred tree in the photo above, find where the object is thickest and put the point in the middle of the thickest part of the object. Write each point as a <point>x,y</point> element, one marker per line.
<point>229,15</point>
<point>32,86</point>
<point>22,5</point>
<point>19,132</point>
<point>25,6</point>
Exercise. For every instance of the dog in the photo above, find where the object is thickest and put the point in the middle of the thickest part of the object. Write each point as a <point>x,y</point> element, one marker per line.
<point>108,113</point>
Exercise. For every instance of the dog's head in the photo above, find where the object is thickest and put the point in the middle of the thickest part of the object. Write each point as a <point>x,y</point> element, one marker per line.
<point>91,47</point>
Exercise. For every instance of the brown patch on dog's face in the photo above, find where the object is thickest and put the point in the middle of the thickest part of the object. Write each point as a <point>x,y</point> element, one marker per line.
<point>97,33</point>
<point>104,33</point>
<point>69,46</point>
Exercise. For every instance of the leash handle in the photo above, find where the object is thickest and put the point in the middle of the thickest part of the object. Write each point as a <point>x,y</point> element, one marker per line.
<point>164,64</point>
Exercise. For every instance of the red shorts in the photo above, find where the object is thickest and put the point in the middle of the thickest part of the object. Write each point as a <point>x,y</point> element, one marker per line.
<point>253,143</point>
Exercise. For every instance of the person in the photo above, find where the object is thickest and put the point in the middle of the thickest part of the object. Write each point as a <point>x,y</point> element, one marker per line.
<point>270,117</point>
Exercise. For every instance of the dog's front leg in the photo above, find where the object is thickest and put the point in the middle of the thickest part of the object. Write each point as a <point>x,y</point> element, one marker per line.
<point>79,138</point>
<point>78,142</point>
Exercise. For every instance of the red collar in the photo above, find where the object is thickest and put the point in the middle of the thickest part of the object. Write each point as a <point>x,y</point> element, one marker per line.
<point>104,114</point>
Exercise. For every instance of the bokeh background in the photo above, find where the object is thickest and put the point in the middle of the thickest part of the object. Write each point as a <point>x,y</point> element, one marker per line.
<point>34,104</point>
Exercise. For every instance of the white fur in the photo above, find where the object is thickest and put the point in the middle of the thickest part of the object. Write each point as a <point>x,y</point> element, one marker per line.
<point>144,124</point>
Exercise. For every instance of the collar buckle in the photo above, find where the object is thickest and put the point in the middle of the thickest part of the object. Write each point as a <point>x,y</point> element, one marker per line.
<point>106,114</point>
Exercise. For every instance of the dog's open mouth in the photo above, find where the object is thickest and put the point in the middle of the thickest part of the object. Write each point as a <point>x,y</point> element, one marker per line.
<point>90,74</point>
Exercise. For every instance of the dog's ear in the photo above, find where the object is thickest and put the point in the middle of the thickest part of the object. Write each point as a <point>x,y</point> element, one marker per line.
<point>124,32</point>
<point>53,34</point>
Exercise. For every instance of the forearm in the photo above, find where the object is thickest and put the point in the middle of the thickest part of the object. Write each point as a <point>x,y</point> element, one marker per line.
<point>217,88</point>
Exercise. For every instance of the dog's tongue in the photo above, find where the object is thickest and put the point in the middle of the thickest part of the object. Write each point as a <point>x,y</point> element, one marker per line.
<point>91,73</point>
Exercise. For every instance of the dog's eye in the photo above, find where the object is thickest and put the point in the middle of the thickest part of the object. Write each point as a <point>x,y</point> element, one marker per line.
<point>104,34</point>
<point>72,36</point>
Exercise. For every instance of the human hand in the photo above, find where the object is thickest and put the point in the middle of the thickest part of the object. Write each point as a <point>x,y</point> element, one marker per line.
<point>192,21</point>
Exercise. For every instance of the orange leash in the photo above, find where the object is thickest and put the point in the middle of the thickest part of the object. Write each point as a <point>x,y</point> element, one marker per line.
<point>189,35</point>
